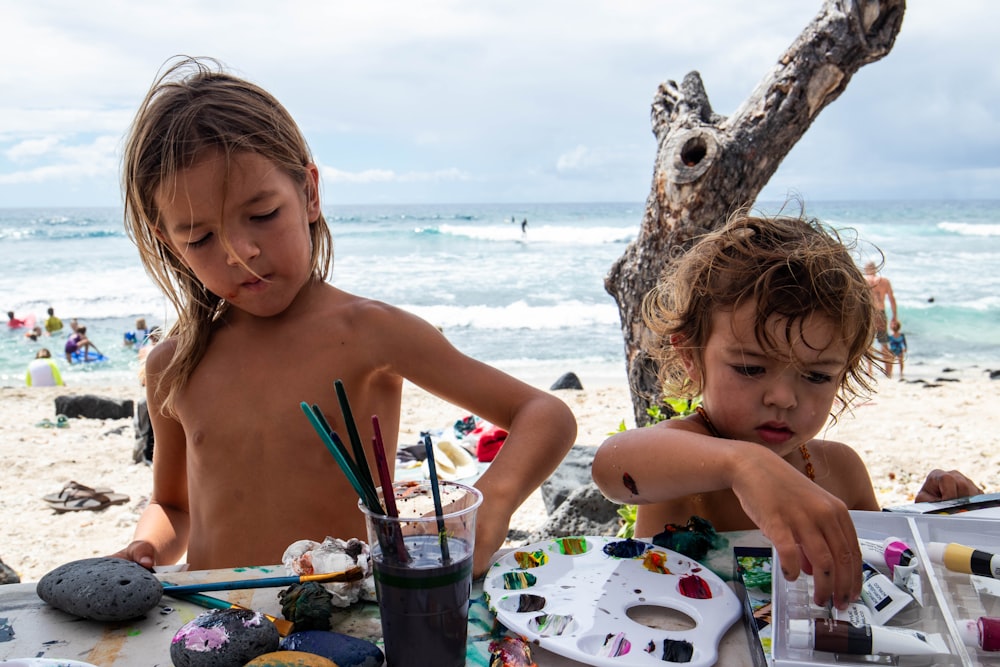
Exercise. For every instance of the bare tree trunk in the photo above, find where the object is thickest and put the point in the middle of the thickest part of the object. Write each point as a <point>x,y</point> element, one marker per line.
<point>709,165</point>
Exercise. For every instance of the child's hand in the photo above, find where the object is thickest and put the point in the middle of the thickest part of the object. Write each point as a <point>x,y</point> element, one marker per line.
<point>941,485</point>
<point>809,527</point>
<point>140,552</point>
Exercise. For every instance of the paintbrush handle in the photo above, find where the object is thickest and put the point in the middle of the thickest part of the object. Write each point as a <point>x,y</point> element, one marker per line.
<point>352,574</point>
<point>284,627</point>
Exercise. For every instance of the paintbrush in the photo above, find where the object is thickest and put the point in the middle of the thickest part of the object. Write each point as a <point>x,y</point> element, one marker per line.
<point>350,574</point>
<point>284,627</point>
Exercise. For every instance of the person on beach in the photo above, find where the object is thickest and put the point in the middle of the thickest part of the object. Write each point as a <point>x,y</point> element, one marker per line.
<point>52,323</point>
<point>222,199</point>
<point>897,346</point>
<point>881,290</point>
<point>769,321</point>
<point>42,371</point>
<point>78,341</point>
<point>34,334</point>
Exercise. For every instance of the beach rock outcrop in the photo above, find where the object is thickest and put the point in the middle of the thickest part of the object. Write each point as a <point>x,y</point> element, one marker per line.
<point>101,589</point>
<point>223,638</point>
<point>572,473</point>
<point>585,512</point>
<point>90,406</point>
<point>567,381</point>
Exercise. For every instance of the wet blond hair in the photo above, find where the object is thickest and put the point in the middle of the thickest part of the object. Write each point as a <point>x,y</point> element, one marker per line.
<point>790,267</point>
<point>194,108</point>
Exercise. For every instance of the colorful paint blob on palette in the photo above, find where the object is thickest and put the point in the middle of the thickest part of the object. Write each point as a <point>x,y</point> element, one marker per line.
<point>514,581</point>
<point>530,559</point>
<point>615,645</point>
<point>572,546</point>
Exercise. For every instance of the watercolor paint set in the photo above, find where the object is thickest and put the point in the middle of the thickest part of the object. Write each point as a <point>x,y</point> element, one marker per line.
<point>931,596</point>
<point>584,598</point>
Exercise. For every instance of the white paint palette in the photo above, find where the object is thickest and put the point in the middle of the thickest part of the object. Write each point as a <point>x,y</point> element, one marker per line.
<point>574,599</point>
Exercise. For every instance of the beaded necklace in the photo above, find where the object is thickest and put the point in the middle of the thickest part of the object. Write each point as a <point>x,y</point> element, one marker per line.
<point>810,471</point>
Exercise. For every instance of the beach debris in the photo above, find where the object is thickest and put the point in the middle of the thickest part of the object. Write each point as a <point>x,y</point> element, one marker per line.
<point>343,650</point>
<point>101,589</point>
<point>223,638</point>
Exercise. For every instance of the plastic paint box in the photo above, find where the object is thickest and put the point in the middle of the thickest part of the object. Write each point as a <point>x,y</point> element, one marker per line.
<point>947,596</point>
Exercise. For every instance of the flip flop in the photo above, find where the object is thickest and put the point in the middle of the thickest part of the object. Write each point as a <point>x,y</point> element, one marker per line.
<point>87,500</point>
<point>72,488</point>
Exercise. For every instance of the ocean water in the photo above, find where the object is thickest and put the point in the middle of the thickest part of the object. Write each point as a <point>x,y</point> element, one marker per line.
<point>534,305</point>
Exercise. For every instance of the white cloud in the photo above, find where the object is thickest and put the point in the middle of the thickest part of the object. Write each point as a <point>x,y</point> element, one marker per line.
<point>517,97</point>
<point>370,176</point>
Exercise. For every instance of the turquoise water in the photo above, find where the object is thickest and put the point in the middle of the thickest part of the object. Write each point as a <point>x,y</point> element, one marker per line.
<point>522,304</point>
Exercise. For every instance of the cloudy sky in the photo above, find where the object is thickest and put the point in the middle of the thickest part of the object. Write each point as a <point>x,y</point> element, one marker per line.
<point>461,101</point>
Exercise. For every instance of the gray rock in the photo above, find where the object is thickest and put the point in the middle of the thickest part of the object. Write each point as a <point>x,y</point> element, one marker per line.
<point>344,650</point>
<point>572,473</point>
<point>8,575</point>
<point>223,638</point>
<point>94,407</point>
<point>567,381</point>
<point>585,512</point>
<point>101,589</point>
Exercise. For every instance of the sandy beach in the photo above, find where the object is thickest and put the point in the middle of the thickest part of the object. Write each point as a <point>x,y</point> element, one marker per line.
<point>938,418</point>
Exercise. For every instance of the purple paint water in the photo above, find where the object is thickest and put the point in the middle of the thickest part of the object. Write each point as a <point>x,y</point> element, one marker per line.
<point>425,604</point>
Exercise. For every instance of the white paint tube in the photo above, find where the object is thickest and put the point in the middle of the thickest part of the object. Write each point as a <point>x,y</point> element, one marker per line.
<point>882,597</point>
<point>898,559</point>
<point>840,637</point>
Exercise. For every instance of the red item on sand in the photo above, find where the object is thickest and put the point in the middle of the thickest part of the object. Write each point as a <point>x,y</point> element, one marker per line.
<point>490,441</point>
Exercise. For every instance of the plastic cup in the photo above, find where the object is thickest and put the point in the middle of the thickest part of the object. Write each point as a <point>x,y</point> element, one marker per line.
<point>423,589</point>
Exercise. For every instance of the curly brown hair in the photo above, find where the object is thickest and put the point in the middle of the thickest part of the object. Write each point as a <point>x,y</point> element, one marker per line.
<point>789,267</point>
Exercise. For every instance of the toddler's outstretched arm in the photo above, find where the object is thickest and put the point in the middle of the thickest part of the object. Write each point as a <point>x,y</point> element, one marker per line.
<point>810,528</point>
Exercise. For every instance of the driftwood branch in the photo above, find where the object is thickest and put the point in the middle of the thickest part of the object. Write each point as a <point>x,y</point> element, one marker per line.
<point>708,165</point>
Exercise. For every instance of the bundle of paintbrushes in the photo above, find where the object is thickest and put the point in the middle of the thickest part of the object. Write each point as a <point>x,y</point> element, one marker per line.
<point>357,471</point>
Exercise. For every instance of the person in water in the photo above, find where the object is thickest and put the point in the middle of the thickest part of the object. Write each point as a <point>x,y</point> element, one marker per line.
<point>769,322</point>
<point>222,198</point>
<point>78,342</point>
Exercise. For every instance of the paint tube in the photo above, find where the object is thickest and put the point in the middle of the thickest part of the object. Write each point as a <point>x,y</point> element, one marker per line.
<point>882,597</point>
<point>856,613</point>
<point>982,633</point>
<point>898,559</point>
<point>960,558</point>
<point>840,637</point>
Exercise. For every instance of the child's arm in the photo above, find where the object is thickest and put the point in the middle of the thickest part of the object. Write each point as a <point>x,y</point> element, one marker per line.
<point>541,426</point>
<point>941,485</point>
<point>161,536</point>
<point>808,526</point>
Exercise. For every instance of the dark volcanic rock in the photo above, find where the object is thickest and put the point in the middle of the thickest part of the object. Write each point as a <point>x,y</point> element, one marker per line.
<point>223,638</point>
<point>101,589</point>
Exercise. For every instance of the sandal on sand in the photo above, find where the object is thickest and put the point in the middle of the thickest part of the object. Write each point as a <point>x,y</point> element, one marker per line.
<point>89,499</point>
<point>72,488</point>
